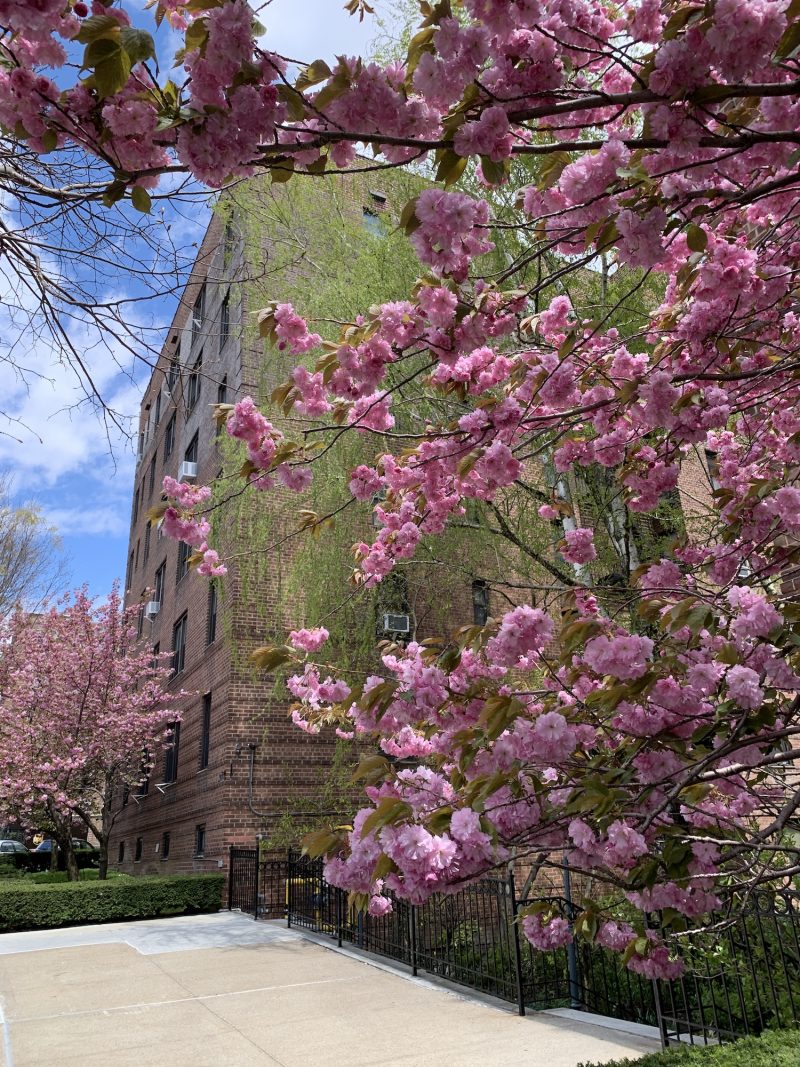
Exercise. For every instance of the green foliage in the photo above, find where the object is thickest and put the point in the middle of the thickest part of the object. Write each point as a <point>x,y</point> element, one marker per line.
<point>772,1049</point>
<point>88,874</point>
<point>27,906</point>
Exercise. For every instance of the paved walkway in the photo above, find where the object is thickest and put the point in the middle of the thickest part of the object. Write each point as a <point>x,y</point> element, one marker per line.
<point>224,991</point>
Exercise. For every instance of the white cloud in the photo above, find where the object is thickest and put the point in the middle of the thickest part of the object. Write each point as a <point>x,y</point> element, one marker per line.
<point>107,520</point>
<point>315,29</point>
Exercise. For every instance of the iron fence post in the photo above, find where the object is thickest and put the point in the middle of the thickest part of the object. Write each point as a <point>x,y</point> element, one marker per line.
<point>412,918</point>
<point>230,878</point>
<point>518,979</point>
<point>576,1001</point>
<point>289,889</point>
<point>256,866</point>
<point>339,917</point>
<point>660,1021</point>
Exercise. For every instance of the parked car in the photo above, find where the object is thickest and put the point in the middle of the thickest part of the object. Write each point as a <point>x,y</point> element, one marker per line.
<point>87,855</point>
<point>16,854</point>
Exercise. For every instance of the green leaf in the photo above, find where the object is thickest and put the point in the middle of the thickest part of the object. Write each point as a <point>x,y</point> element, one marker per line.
<point>696,238</point>
<point>97,26</point>
<point>450,167</point>
<point>550,170</point>
<point>408,216</point>
<point>315,72</point>
<point>196,35</point>
<point>268,658</point>
<point>140,199</point>
<point>49,140</point>
<point>138,44</point>
<point>111,65</point>
<point>495,173</point>
<point>389,810</point>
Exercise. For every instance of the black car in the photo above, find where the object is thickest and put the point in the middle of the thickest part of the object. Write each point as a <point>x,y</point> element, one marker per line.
<point>15,854</point>
<point>86,855</point>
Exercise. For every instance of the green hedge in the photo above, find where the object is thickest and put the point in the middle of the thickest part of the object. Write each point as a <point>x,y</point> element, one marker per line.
<point>772,1049</point>
<point>25,906</point>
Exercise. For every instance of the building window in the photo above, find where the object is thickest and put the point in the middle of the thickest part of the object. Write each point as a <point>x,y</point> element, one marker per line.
<point>173,373</point>
<point>193,386</point>
<point>222,398</point>
<point>179,644</point>
<point>165,846</point>
<point>480,602</point>
<point>135,506</point>
<point>157,410</point>
<point>126,794</point>
<point>205,736</point>
<point>200,839</point>
<point>224,321</point>
<point>129,572</point>
<point>121,852</point>
<point>198,311</point>
<point>169,437</point>
<point>190,455</point>
<point>140,621</point>
<point>161,576</point>
<point>211,625</point>
<point>183,561</point>
<point>171,755</point>
<point>137,854</point>
<point>372,223</point>
<point>151,481</point>
<point>147,532</point>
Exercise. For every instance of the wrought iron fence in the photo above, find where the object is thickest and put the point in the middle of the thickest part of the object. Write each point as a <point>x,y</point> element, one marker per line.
<point>742,977</point>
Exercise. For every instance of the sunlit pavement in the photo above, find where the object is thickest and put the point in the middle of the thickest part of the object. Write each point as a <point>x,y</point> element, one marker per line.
<point>225,990</point>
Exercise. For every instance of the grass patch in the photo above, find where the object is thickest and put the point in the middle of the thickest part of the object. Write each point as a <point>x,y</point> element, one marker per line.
<point>771,1049</point>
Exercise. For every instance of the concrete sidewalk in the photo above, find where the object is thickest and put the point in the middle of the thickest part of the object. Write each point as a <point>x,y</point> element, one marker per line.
<point>224,990</point>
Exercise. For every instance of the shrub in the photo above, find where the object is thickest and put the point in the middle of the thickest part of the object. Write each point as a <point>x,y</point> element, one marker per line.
<point>28,906</point>
<point>771,1049</point>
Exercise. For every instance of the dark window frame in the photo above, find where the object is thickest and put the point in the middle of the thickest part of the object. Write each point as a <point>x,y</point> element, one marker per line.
<point>169,437</point>
<point>200,840</point>
<point>172,755</point>
<point>165,843</point>
<point>480,602</point>
<point>211,620</point>
<point>205,732</point>
<point>179,644</point>
<point>224,321</point>
<point>138,849</point>
<point>194,384</point>
<point>160,582</point>
<point>184,552</point>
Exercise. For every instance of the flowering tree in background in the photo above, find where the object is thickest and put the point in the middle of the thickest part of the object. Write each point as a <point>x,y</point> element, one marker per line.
<point>84,713</point>
<point>647,742</point>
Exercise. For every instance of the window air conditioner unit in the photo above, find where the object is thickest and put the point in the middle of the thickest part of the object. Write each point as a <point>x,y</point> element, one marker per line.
<point>187,472</point>
<point>397,624</point>
<point>151,609</point>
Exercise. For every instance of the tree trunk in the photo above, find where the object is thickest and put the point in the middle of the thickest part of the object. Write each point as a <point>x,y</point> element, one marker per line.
<point>62,834</point>
<point>71,862</point>
<point>102,870</point>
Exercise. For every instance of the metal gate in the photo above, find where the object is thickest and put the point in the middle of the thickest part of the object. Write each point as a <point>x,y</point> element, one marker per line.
<point>257,883</point>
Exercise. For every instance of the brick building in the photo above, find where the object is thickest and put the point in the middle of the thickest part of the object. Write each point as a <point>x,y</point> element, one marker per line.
<point>238,764</point>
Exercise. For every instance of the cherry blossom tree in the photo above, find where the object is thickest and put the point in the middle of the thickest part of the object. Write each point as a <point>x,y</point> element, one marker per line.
<point>84,712</point>
<point>645,741</point>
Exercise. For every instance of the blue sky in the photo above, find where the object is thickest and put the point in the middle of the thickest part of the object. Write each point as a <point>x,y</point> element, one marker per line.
<point>68,459</point>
